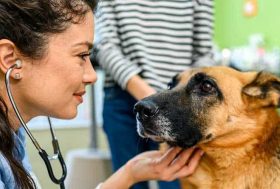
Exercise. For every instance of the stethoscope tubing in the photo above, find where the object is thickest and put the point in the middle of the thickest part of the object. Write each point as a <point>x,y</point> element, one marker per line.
<point>7,81</point>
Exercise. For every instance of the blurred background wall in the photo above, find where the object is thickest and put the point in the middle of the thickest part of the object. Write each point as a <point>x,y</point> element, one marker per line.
<point>232,27</point>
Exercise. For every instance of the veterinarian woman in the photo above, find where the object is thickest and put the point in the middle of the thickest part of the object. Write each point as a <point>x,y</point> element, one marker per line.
<point>44,55</point>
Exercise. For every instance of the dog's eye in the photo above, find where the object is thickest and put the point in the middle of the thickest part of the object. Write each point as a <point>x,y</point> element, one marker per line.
<point>207,87</point>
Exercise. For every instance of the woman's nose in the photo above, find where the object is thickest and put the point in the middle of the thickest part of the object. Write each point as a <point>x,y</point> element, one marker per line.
<point>90,75</point>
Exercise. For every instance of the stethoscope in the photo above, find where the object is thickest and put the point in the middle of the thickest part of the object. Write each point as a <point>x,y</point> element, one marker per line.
<point>44,155</point>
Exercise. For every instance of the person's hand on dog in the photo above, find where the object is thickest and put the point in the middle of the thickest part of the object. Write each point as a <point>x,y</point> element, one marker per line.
<point>155,165</point>
<point>168,166</point>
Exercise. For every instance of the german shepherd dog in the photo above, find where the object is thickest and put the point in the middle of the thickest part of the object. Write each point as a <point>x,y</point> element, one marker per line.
<point>230,115</point>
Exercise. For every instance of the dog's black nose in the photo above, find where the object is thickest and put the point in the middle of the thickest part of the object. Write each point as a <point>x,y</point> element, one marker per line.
<point>146,109</point>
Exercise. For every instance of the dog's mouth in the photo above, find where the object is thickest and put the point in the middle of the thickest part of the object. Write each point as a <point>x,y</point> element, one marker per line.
<point>160,131</point>
<point>149,133</point>
<point>150,129</point>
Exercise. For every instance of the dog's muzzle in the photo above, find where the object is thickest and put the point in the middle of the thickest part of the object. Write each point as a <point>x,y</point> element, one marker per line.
<point>146,111</point>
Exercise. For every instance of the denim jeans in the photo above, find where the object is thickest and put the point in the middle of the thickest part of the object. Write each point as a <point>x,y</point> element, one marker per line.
<point>120,127</point>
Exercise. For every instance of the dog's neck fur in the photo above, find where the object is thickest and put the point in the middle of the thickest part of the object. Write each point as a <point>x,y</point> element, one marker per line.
<point>269,140</point>
<point>252,153</point>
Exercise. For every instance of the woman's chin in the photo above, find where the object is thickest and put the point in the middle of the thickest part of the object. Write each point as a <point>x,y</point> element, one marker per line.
<point>66,115</point>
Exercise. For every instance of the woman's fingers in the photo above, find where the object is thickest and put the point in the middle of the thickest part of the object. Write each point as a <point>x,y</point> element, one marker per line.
<point>180,161</point>
<point>169,156</point>
<point>191,165</point>
<point>183,165</point>
<point>166,166</point>
<point>182,158</point>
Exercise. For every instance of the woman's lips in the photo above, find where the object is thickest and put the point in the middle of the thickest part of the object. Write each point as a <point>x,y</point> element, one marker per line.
<point>79,96</point>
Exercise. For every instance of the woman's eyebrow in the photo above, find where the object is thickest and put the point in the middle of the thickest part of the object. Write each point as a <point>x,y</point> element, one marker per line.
<point>89,44</point>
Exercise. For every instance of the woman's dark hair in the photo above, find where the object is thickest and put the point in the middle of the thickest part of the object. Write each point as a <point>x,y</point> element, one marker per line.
<point>29,24</point>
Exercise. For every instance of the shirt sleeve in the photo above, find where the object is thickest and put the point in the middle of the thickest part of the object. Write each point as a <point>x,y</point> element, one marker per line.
<point>203,29</point>
<point>2,185</point>
<point>25,161</point>
<point>109,53</point>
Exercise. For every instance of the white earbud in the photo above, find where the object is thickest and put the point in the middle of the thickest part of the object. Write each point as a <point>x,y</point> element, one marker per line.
<point>18,64</point>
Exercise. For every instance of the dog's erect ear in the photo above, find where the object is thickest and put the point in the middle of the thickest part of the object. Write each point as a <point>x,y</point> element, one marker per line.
<point>264,90</point>
<point>173,82</point>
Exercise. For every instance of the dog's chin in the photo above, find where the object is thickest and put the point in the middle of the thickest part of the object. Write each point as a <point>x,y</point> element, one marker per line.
<point>155,138</point>
<point>181,144</point>
<point>148,133</point>
<point>187,142</point>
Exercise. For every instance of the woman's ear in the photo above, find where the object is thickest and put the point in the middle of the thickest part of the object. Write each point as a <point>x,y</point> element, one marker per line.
<point>8,57</point>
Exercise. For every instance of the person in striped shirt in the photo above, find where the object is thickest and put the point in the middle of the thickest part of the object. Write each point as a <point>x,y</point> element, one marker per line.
<point>141,45</point>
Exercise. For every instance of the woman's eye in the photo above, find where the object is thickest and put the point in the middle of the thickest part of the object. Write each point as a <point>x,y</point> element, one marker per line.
<point>84,56</point>
<point>207,87</point>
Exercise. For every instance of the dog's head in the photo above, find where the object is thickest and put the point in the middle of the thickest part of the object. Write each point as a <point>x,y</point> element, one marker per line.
<point>209,105</point>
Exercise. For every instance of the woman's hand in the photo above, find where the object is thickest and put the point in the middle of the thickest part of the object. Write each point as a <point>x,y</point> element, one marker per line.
<point>168,166</point>
<point>155,165</point>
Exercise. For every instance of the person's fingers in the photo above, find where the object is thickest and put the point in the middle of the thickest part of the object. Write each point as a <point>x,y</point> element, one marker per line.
<point>173,160</point>
<point>180,166</point>
<point>191,166</point>
<point>184,156</point>
<point>169,156</point>
<point>181,160</point>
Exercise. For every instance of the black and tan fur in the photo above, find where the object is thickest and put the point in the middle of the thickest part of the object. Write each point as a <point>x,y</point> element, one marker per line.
<point>231,115</point>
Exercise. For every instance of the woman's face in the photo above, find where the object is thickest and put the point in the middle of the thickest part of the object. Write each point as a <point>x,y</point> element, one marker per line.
<point>55,85</point>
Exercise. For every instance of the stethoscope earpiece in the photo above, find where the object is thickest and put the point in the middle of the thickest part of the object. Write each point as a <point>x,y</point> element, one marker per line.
<point>18,64</point>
